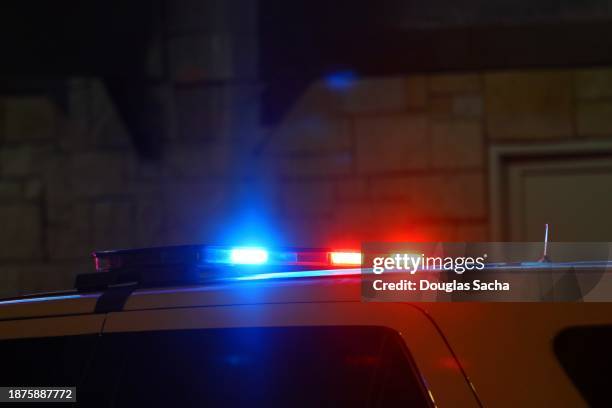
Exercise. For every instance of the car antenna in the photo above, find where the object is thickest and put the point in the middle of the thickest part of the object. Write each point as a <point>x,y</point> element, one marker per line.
<point>545,257</point>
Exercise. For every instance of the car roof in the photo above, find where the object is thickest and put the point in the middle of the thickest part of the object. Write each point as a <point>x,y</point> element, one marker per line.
<point>48,304</point>
<point>321,289</point>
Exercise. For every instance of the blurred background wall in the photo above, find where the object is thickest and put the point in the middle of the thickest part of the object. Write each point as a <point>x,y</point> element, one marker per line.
<point>463,155</point>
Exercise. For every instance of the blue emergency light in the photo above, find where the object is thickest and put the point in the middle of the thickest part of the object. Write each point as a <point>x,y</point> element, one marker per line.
<point>248,256</point>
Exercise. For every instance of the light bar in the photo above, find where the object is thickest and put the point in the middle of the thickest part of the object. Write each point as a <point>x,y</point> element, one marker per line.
<point>248,256</point>
<point>214,258</point>
<point>196,264</point>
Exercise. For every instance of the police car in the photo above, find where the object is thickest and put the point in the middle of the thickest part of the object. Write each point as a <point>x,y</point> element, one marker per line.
<point>196,326</point>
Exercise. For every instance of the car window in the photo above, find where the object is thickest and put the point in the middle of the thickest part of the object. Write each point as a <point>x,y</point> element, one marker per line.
<point>584,353</point>
<point>289,366</point>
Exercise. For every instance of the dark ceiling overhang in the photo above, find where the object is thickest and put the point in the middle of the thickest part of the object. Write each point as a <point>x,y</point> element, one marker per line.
<point>303,41</point>
<point>45,43</point>
<point>300,41</point>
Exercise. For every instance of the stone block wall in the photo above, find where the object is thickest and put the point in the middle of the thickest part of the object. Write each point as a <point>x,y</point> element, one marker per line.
<point>403,157</point>
<point>385,158</point>
<point>71,181</point>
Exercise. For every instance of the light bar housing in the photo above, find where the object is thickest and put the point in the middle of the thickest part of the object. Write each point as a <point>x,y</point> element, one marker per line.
<point>197,264</point>
<point>219,257</point>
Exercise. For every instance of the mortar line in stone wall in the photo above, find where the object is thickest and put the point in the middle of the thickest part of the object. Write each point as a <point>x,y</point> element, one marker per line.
<point>574,105</point>
<point>386,175</point>
<point>297,216</point>
<point>485,153</point>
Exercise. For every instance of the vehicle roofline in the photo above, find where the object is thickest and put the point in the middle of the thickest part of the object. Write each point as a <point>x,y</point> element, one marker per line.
<point>48,294</point>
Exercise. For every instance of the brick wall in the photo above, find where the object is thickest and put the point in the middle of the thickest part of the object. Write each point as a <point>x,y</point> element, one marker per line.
<point>384,158</point>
